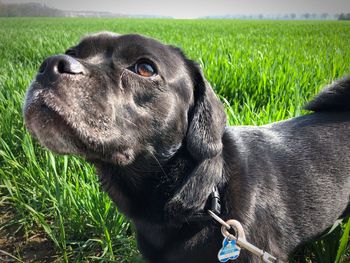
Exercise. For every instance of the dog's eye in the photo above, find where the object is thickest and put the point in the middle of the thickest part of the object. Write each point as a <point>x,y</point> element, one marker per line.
<point>145,69</point>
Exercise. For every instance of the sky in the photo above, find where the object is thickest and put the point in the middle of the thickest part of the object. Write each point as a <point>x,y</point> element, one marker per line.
<point>193,9</point>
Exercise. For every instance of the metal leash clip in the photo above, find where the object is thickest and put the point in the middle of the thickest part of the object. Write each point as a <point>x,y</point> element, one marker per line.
<point>241,239</point>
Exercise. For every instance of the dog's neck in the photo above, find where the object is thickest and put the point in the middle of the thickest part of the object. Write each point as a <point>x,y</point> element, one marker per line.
<point>144,187</point>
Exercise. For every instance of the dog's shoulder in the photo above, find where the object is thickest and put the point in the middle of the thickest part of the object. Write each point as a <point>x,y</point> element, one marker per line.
<point>334,97</point>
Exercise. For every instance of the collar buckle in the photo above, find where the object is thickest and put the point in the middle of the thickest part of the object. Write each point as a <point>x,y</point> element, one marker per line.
<point>213,204</point>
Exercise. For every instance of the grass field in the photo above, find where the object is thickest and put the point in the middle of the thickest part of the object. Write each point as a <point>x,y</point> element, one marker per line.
<point>264,71</point>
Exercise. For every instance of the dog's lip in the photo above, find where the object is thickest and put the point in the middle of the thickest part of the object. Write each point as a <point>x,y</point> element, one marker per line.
<point>43,98</point>
<point>121,157</point>
<point>40,105</point>
<point>79,141</point>
<point>38,100</point>
<point>44,102</point>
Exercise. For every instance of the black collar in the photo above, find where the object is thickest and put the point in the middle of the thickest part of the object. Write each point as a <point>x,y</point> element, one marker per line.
<point>213,204</point>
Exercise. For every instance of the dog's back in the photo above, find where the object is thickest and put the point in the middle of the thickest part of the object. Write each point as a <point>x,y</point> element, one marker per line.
<point>295,174</point>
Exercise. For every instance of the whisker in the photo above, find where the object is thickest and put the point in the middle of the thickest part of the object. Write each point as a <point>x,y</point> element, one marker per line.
<point>127,120</point>
<point>159,164</point>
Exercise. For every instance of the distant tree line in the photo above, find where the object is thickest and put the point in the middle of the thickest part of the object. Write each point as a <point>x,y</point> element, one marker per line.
<point>28,9</point>
<point>36,9</point>
<point>291,16</point>
<point>344,16</point>
<point>306,16</point>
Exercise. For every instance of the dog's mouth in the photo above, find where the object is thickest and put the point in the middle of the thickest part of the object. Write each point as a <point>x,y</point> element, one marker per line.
<point>65,129</point>
<point>47,124</point>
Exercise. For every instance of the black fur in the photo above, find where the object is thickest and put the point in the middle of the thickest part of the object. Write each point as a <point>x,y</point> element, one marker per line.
<point>160,144</point>
<point>334,97</point>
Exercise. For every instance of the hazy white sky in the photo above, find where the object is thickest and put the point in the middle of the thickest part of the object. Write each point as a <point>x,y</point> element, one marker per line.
<point>191,9</point>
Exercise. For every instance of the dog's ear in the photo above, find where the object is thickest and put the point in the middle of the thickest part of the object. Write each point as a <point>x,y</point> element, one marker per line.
<point>207,122</point>
<point>207,119</point>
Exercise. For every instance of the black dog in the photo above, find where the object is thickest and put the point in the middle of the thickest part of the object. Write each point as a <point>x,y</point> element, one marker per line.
<point>144,115</point>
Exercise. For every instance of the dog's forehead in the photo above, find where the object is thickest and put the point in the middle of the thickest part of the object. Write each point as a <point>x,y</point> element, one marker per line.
<point>129,44</point>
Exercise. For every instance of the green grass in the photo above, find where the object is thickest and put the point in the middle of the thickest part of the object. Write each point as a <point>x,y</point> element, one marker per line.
<point>264,71</point>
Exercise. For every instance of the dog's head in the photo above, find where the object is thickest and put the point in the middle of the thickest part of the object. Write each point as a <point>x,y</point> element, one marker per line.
<point>115,97</point>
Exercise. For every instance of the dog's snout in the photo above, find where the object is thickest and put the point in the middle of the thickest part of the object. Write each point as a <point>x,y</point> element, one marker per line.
<point>61,64</point>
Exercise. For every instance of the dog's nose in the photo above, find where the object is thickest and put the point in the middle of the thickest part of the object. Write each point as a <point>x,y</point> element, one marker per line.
<point>61,64</point>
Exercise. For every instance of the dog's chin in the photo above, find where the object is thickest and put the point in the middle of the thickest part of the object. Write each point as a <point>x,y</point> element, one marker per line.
<point>51,130</point>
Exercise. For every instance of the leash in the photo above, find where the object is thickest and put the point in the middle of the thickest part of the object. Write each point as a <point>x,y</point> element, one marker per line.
<point>232,244</point>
